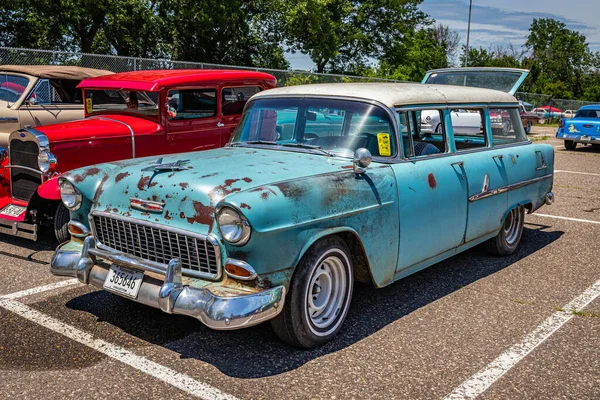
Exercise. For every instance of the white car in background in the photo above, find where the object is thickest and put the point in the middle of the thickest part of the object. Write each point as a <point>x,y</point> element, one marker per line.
<point>466,122</point>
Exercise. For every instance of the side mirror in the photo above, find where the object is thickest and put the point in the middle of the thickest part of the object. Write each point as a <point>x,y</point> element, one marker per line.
<point>32,100</point>
<point>362,159</point>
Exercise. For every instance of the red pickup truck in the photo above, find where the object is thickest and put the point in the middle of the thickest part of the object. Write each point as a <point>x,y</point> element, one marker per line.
<point>127,115</point>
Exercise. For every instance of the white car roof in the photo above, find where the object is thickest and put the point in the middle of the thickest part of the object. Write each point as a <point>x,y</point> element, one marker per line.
<point>394,94</point>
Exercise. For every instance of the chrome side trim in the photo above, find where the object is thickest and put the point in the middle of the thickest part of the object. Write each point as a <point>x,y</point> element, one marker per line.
<point>128,127</point>
<point>9,119</point>
<point>514,186</point>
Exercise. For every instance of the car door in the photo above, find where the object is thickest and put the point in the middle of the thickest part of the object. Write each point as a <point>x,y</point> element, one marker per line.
<point>432,193</point>
<point>193,119</point>
<point>485,171</point>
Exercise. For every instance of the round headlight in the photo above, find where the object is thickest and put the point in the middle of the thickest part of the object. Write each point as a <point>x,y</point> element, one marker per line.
<point>233,226</point>
<point>46,161</point>
<point>70,196</point>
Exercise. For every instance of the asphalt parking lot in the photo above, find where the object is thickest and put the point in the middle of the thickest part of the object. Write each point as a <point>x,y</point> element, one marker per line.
<point>524,326</point>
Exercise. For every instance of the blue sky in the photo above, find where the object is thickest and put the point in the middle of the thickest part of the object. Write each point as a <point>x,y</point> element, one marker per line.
<point>501,22</point>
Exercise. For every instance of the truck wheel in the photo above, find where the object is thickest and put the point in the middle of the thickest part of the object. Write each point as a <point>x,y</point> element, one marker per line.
<point>570,145</point>
<point>61,222</point>
<point>507,240</point>
<point>319,296</point>
<point>528,128</point>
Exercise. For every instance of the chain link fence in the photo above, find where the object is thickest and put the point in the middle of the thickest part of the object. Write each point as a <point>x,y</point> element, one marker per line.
<point>534,100</point>
<point>17,56</point>
<point>20,56</point>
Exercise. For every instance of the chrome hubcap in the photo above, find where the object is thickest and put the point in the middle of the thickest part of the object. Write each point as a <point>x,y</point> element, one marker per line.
<point>327,292</point>
<point>512,225</point>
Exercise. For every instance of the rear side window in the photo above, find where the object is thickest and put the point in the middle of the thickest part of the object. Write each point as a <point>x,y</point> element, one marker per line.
<point>507,126</point>
<point>234,98</point>
<point>469,128</point>
<point>192,103</point>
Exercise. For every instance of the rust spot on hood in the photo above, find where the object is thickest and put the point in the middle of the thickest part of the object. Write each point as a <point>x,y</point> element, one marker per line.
<point>247,180</point>
<point>143,182</point>
<point>88,172</point>
<point>431,181</point>
<point>121,176</point>
<point>184,185</point>
<point>244,205</point>
<point>204,214</point>
<point>292,189</point>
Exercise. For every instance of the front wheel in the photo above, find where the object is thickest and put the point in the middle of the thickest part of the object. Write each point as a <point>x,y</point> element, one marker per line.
<point>570,144</point>
<point>319,296</point>
<point>61,222</point>
<point>507,240</point>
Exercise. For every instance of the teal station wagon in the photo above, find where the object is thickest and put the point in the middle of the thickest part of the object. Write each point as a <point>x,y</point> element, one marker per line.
<point>319,187</point>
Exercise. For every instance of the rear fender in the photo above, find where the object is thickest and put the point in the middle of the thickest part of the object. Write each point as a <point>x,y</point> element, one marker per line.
<point>49,190</point>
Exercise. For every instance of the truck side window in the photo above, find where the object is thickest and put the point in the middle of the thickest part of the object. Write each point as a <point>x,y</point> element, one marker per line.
<point>192,103</point>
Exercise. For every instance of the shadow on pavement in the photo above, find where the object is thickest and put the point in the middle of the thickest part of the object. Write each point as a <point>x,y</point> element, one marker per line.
<point>257,352</point>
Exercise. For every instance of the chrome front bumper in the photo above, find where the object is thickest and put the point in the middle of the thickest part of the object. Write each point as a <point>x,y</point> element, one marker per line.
<point>170,295</point>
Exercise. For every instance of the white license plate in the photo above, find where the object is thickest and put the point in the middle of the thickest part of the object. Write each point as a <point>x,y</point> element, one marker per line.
<point>123,281</point>
<point>586,138</point>
<point>12,211</point>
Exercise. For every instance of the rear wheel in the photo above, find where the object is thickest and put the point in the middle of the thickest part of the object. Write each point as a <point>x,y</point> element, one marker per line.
<point>61,222</point>
<point>507,240</point>
<point>570,145</point>
<point>319,296</point>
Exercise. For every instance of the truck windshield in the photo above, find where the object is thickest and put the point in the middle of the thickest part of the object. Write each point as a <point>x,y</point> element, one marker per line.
<point>12,87</point>
<point>121,101</point>
<point>324,126</point>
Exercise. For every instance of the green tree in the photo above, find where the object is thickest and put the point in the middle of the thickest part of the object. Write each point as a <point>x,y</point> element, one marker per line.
<point>340,35</point>
<point>558,56</point>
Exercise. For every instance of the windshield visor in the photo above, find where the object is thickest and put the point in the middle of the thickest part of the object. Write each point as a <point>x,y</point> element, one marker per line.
<point>12,87</point>
<point>336,126</point>
<point>121,101</point>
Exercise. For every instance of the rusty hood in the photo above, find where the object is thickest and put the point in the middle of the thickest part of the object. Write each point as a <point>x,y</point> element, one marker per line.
<point>188,196</point>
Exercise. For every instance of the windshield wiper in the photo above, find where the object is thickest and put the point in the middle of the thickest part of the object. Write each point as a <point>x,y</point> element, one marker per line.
<point>256,142</point>
<point>307,146</point>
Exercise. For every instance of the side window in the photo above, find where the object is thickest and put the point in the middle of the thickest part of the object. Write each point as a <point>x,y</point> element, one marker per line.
<point>423,133</point>
<point>469,128</point>
<point>234,98</point>
<point>192,103</point>
<point>42,92</point>
<point>507,126</point>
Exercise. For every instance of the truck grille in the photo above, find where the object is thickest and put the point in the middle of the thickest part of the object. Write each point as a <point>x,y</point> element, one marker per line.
<point>198,256</point>
<point>24,182</point>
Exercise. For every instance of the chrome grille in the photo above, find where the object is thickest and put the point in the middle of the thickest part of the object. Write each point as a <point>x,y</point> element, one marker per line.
<point>24,181</point>
<point>199,257</point>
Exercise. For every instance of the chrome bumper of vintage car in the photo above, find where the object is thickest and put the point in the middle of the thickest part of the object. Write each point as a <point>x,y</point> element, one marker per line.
<point>170,295</point>
<point>19,229</point>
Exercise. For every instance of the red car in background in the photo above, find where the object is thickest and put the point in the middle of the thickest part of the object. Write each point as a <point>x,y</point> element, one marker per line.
<point>128,115</point>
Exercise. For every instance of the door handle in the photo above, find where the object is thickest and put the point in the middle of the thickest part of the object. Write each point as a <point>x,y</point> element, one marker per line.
<point>459,163</point>
<point>220,124</point>
<point>499,157</point>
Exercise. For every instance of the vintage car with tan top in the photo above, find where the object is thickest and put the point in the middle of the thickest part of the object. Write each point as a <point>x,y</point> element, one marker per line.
<point>33,95</point>
<point>128,115</point>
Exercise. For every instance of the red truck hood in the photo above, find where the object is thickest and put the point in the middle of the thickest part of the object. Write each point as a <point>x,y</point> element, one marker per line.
<point>96,127</point>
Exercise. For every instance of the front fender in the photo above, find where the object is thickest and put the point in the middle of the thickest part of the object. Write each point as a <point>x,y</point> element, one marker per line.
<point>49,190</point>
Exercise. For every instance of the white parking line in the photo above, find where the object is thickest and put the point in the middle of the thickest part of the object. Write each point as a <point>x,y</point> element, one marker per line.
<point>39,289</point>
<point>567,218</point>
<point>181,381</point>
<point>482,380</point>
<point>576,172</point>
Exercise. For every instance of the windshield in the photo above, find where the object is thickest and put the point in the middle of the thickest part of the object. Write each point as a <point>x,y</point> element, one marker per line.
<point>12,87</point>
<point>505,81</point>
<point>588,114</point>
<point>121,101</point>
<point>323,125</point>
